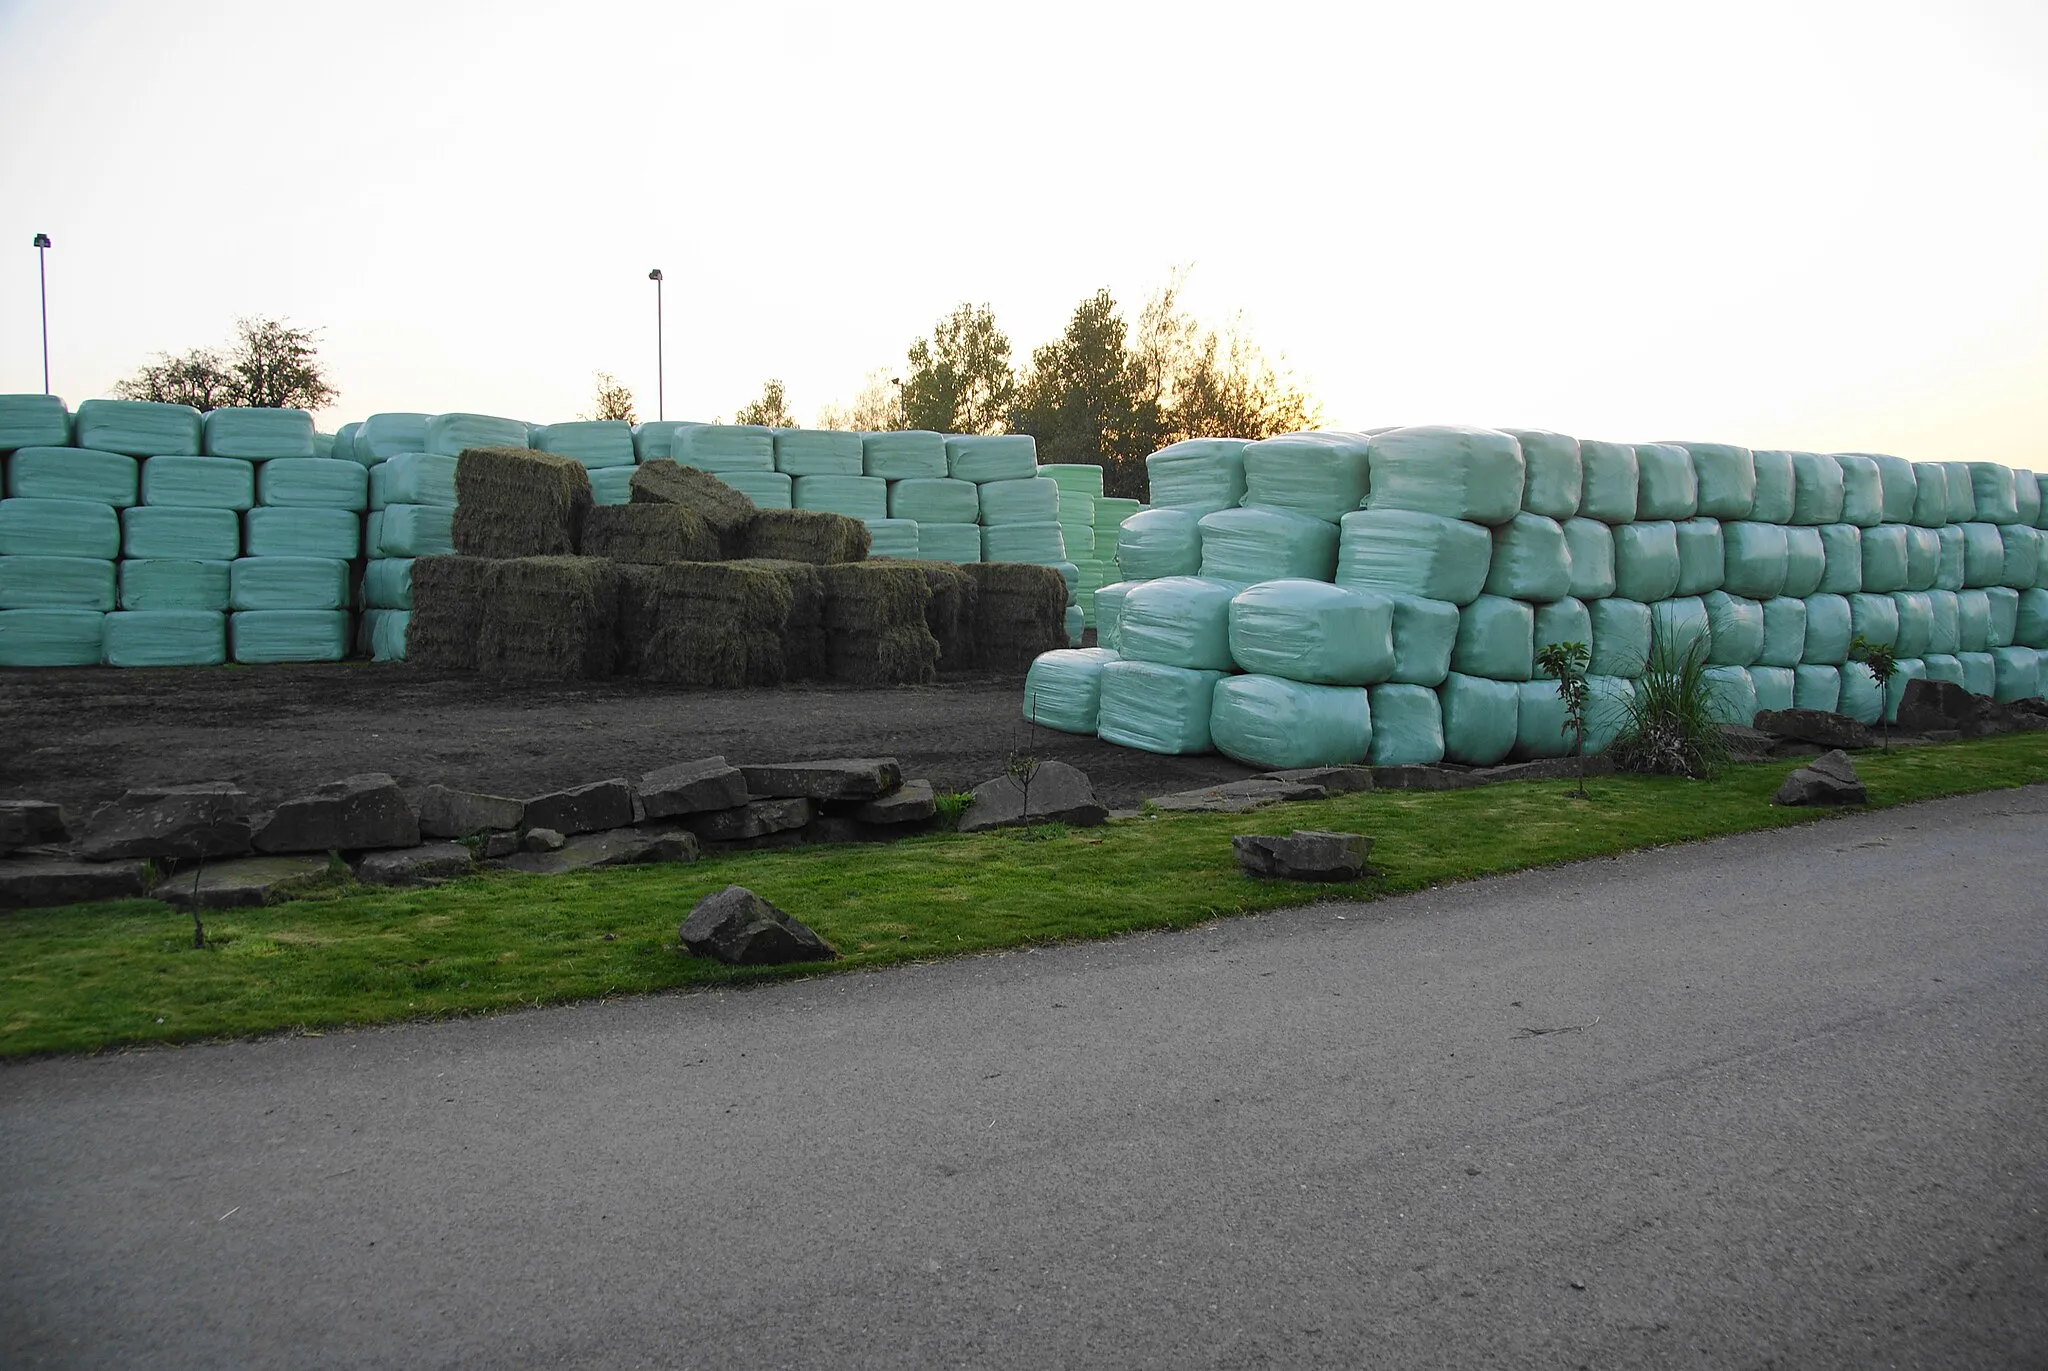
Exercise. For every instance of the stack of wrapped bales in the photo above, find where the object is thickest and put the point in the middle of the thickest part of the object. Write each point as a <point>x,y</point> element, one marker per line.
<point>292,590</point>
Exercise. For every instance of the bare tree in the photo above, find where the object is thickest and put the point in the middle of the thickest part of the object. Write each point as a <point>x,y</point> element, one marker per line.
<point>271,365</point>
<point>877,408</point>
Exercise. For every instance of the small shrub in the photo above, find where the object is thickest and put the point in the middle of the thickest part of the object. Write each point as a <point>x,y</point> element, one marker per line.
<point>1884,664</point>
<point>1670,729</point>
<point>1567,662</point>
<point>952,807</point>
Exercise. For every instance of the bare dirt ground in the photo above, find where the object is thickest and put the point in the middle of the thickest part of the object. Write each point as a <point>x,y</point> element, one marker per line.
<point>81,737</point>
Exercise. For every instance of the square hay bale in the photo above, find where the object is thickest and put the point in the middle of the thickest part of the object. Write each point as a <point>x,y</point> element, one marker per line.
<point>512,502</point>
<point>667,482</point>
<point>875,624</point>
<point>549,618</point>
<point>1020,612</point>
<point>804,657</point>
<point>712,624</point>
<point>804,535</point>
<point>649,534</point>
<point>638,615</point>
<point>448,595</point>
<point>895,656</point>
<point>950,612</point>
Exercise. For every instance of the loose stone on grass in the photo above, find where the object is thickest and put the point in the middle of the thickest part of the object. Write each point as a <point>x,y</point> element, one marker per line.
<point>738,927</point>
<point>1239,797</point>
<point>447,813</point>
<point>354,813</point>
<point>1337,780</point>
<point>692,788</point>
<point>912,802</point>
<point>1057,794</point>
<point>46,882</point>
<point>241,882</point>
<point>179,823</point>
<point>28,823</point>
<point>1304,855</point>
<point>616,847</point>
<point>1818,726</point>
<point>589,808</point>
<point>541,840</point>
<point>426,865</point>
<point>1829,779</point>
<point>839,778</point>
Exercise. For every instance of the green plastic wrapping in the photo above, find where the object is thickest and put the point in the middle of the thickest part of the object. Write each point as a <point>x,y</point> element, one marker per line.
<point>382,635</point>
<point>1553,473</point>
<point>1898,487</point>
<point>1806,561</point>
<point>1784,632</point>
<point>1944,634</point>
<point>2030,619</point>
<point>857,497</point>
<point>288,635</point>
<point>1775,488</point>
<point>1776,686</point>
<point>1816,489</point>
<point>50,637</point>
<point>981,458</point>
<point>1033,500</point>
<point>33,421</point>
<point>2017,673</point>
<point>1266,544</point>
<point>1425,632</point>
<point>1916,622</point>
<point>413,531</point>
<point>1563,621</point>
<point>151,583</point>
<point>303,532</point>
<point>1726,478</point>
<point>1816,687</point>
<point>1962,493</point>
<point>1110,512</point>
<point>1589,544</point>
<point>652,442</point>
<point>199,483</point>
<point>60,528</point>
<point>1754,559</point>
<point>1949,572</point>
<point>1702,555</point>
<point>1862,490</point>
<point>1983,555</point>
<point>412,478</point>
<point>165,637</point>
<point>1904,670</point>
<point>1410,552</point>
<point>935,500</point>
<point>1943,667</point>
<point>1612,479</point>
<point>1407,725</point>
<point>387,583</point>
<point>1930,494</point>
<point>1201,475</point>
<point>1312,631</point>
<point>2041,564</point>
<point>1268,721</point>
<point>1530,559</point>
<point>1496,639</point>
<point>1160,542</point>
<point>1667,486</point>
<point>1072,575</point>
<point>1735,629</point>
<point>1646,563</point>
<point>1474,474</point>
<point>594,442</point>
<point>35,582</point>
<point>2022,556</point>
<point>1080,541</point>
<point>1874,619</point>
<point>1828,629</point>
<point>1993,496</point>
<point>313,483</point>
<point>911,454</point>
<point>1883,553</point>
<point>1607,710</point>
<point>257,434</point>
<point>1181,621</point>
<point>2002,611</point>
<point>1731,695</point>
<point>1973,621</point>
<point>344,445</point>
<point>1541,728</point>
<point>288,583</point>
<point>1156,708</point>
<point>803,452</point>
<point>1042,544</point>
<point>1620,643</point>
<point>1842,547</point>
<point>1480,719</point>
<point>767,489</point>
<point>2026,491</point>
<point>451,434</point>
<point>1320,475</point>
<point>957,543</point>
<point>724,447</point>
<point>138,428</point>
<point>1063,689</point>
<point>1077,625</point>
<point>70,473</point>
<point>1109,605</point>
<point>1923,557</point>
<point>1677,628</point>
<point>384,436</point>
<point>1980,672</point>
<point>1075,479</point>
<point>888,537</point>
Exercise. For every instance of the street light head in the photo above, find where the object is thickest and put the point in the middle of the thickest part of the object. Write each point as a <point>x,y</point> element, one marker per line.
<point>42,241</point>
<point>654,275</point>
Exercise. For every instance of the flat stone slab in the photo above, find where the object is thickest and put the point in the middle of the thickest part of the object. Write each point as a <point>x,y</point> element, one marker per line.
<point>755,819</point>
<point>241,882</point>
<point>1337,780</point>
<point>1056,794</point>
<point>46,882</point>
<point>1304,855</point>
<point>1542,769</point>
<point>177,823</point>
<point>589,808</point>
<point>1829,779</point>
<point>912,802</point>
<point>1238,797</point>
<point>738,927</point>
<point>424,865</point>
<point>1413,777</point>
<point>692,788</point>
<point>838,778</point>
<point>348,815</point>
<point>616,847</point>
<point>448,813</point>
<point>29,823</point>
<point>1821,727</point>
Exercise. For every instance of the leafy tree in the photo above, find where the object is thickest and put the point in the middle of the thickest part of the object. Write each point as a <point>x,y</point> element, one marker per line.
<point>1210,384</point>
<point>271,365</point>
<point>611,400</point>
<point>1567,662</point>
<point>877,408</point>
<point>1087,398</point>
<point>199,378</point>
<point>772,409</point>
<point>961,380</point>
<point>1883,662</point>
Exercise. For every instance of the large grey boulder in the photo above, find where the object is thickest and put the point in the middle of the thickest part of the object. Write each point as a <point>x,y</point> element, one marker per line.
<point>910,803</point>
<point>1819,726</point>
<point>241,882</point>
<point>177,823</point>
<point>1829,779</point>
<point>740,928</point>
<point>424,865</point>
<point>1236,797</point>
<point>1945,707</point>
<point>839,778</point>
<point>756,819</point>
<point>448,813</point>
<point>1304,855</point>
<point>583,809</point>
<point>46,882</point>
<point>692,788</point>
<point>27,823</point>
<point>347,815</point>
<point>617,847</point>
<point>1057,794</point>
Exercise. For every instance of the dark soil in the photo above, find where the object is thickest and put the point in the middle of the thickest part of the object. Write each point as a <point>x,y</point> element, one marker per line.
<point>81,737</point>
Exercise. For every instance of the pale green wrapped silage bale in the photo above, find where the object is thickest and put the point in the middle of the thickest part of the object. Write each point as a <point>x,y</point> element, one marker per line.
<point>1806,561</point>
<point>1157,708</point>
<point>1109,603</point>
<point>767,489</point>
<point>451,434</point>
<point>1731,695</point>
<point>609,485</point>
<point>1608,700</point>
<point>1828,629</point>
<point>1612,477</point>
<point>2030,619</point>
<point>1816,489</point>
<point>1784,632</point>
<point>1916,622</point>
<point>1425,633</point>
<point>288,583</point>
<point>654,442</point>
<point>165,637</point>
<point>1079,542</point>
<point>384,436</point>
<point>1265,545</point>
<point>1160,542</point>
<point>1563,621</point>
<point>138,428</point>
<point>1530,560</point>
<point>1898,486</point>
<point>1930,494</point>
<point>387,583</point>
<point>1042,544</point>
<point>292,531</point>
<point>1181,621</point>
<point>1755,557</point>
<point>1874,619</point>
<point>1077,625</point>
<point>1973,621</point>
<point>719,448</point>
<point>382,635</point>
<point>935,500</point>
<point>1496,639</point>
<point>1590,546</point>
<point>1621,637</point>
<point>2002,609</point>
<point>1679,627</point>
<point>1950,574</point>
<point>257,434</point>
<point>1884,558</point>
<point>50,637</point>
<point>981,458</point>
<point>1923,558</point>
<point>35,582</point>
<point>1074,478</point>
<point>60,528</point>
<point>1268,721</point>
<point>1842,547</point>
<point>199,483</point>
<point>344,445</point>
<point>1776,686</point>
<point>1992,489</point>
<point>593,442</point>
<point>1470,474</point>
<point>1775,489</point>
<point>1944,634</point>
<point>33,421</point>
<point>1063,689</point>
<point>288,635</point>
<point>1411,552</point>
<point>1702,555</point>
<point>1646,566</point>
<point>415,531</point>
<point>1735,629</point>
<point>1541,727</point>
<point>1726,479</point>
<point>1862,490</point>
<point>910,454</point>
<point>312,483</point>
<point>1983,555</point>
<point>1980,672</point>
<point>956,543</point>
<point>2022,556</point>
<point>1905,670</point>
<point>71,473</point>
<point>2026,491</point>
<point>1033,500</point>
<point>1667,486</point>
<point>888,537</point>
<point>1407,725</point>
<point>2017,674</point>
<point>151,583</point>
<point>1311,631</point>
<point>803,452</point>
<point>1962,493</point>
<point>1943,667</point>
<point>1816,687</point>
<point>1201,475</point>
<point>1481,720</point>
<point>1320,475</point>
<point>857,497</point>
<point>1553,472</point>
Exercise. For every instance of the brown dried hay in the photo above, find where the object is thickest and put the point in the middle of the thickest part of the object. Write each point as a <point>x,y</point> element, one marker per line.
<point>1020,612</point>
<point>550,618</point>
<point>650,534</point>
<point>514,502</point>
<point>804,535</point>
<point>447,612</point>
<point>668,482</point>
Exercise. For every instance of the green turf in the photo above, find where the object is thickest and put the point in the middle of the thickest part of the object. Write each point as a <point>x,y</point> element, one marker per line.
<point>106,975</point>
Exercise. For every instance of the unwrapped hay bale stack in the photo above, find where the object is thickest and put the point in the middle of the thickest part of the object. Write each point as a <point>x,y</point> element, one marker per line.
<point>1020,611</point>
<point>724,510</point>
<point>649,534</point>
<point>875,628</point>
<point>720,625</point>
<point>548,618</point>
<point>517,503</point>
<point>802,535</point>
<point>448,596</point>
<point>950,612</point>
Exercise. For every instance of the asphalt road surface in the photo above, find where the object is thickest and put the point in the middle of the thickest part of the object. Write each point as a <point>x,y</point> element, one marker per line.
<point>1777,1101</point>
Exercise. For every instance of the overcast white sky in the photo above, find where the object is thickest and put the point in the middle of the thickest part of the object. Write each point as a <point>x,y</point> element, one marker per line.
<point>1794,224</point>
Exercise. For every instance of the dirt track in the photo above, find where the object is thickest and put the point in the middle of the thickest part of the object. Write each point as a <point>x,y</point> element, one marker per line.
<point>81,737</point>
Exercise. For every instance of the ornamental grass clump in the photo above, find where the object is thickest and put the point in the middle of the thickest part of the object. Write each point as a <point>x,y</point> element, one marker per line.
<point>1670,727</point>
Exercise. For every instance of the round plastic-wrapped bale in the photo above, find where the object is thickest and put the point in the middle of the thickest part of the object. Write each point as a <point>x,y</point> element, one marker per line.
<point>1034,500</point>
<point>1730,695</point>
<point>1621,637</point>
<point>1679,628</point>
<point>1612,477</point>
<point>1806,561</point>
<point>1816,687</point>
<point>1916,622</point>
<point>1944,632</point>
<point>2026,491</point>
<point>1899,489</point>
<point>1753,559</point>
<point>1973,621</point>
<point>1775,488</point>
<point>1258,544</point>
<point>1816,489</point>
<point>1874,619</point>
<point>1156,708</point>
<point>1590,546</point>
<point>1993,494</point>
<point>1407,725</point>
<point>1268,721</point>
<point>1541,726</point>
<point>1962,493</point>
<point>1563,621</point>
<point>1109,609</point>
<point>1609,700</point>
<point>1411,552</point>
<point>1667,486</point>
<point>1980,672</point>
<point>1530,560</point>
<point>1320,475</point>
<point>1943,666</point>
<point>1181,621</point>
<point>1923,557</point>
<point>910,454</point>
<point>1496,639</point>
<point>1554,475</point>
<point>2022,556</point>
<point>1646,566</point>
<point>1425,632</point>
<point>2030,619</point>
<point>1862,490</point>
<point>1983,555</point>
<point>1828,629</point>
<point>1884,555</point>
<point>1480,719</point>
<point>1735,628</point>
<point>1312,631</point>
<point>1842,547</point>
<point>2002,609</point>
<point>1949,572</point>
<point>1905,670</point>
<point>2018,673</point>
<point>1702,555</point>
<point>1774,686</point>
<point>1159,542</point>
<point>1201,474</point>
<point>1930,494</point>
<point>1474,474</point>
<point>1726,477</point>
<point>1784,632</point>
<point>1063,689</point>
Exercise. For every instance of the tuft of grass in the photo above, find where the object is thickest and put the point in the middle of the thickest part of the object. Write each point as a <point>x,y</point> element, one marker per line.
<point>952,807</point>
<point>110,975</point>
<point>1670,728</point>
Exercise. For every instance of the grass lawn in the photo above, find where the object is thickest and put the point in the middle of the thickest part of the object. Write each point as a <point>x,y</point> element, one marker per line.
<point>100,976</point>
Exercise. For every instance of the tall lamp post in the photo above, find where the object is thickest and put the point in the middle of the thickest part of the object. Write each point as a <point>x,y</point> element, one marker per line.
<point>660,364</point>
<point>42,245</point>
